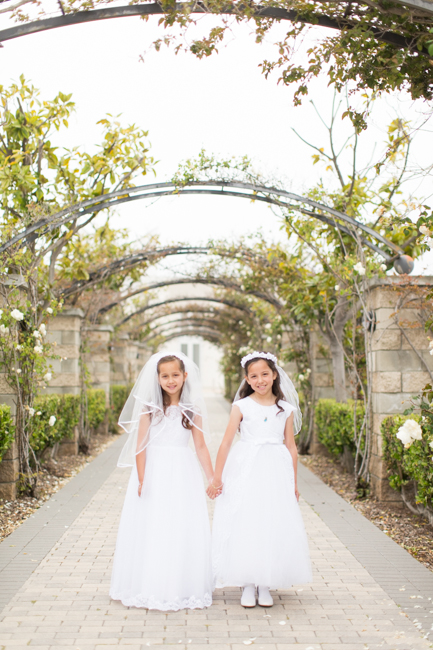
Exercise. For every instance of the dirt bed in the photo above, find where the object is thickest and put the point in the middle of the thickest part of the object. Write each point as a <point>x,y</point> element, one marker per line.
<point>410,531</point>
<point>53,476</point>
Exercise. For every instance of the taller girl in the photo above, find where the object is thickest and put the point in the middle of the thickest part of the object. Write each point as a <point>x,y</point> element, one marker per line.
<point>258,533</point>
<point>163,551</point>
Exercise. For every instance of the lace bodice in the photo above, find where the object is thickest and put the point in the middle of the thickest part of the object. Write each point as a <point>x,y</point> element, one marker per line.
<point>169,431</point>
<point>263,424</point>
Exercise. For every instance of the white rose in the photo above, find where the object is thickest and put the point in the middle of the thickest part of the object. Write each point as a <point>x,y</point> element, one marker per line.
<point>38,349</point>
<point>52,421</point>
<point>301,377</point>
<point>430,345</point>
<point>409,432</point>
<point>269,339</point>
<point>18,347</point>
<point>19,371</point>
<point>43,329</point>
<point>49,310</point>
<point>48,376</point>
<point>37,334</point>
<point>268,326</point>
<point>383,267</point>
<point>17,314</point>
<point>429,242</point>
<point>431,444</point>
<point>4,329</point>
<point>359,268</point>
<point>39,413</point>
<point>1,313</point>
<point>337,287</point>
<point>31,412</point>
<point>424,230</point>
<point>431,352</point>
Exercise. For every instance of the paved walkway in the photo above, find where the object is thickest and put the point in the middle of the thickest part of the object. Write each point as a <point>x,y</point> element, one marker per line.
<point>367,593</point>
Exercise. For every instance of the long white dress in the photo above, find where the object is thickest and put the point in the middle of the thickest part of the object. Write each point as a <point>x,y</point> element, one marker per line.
<point>163,550</point>
<point>258,533</point>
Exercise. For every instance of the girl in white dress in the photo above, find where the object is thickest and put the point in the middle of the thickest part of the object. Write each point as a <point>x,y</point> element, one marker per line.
<point>163,551</point>
<point>258,533</point>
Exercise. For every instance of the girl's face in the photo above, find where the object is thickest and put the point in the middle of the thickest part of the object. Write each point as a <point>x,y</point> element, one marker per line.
<point>171,378</point>
<point>260,377</point>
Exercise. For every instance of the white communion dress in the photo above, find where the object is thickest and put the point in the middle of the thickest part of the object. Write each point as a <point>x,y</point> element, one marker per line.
<point>258,532</point>
<point>163,551</point>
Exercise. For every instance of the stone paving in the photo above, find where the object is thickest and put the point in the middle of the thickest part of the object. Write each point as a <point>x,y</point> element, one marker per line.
<point>61,571</point>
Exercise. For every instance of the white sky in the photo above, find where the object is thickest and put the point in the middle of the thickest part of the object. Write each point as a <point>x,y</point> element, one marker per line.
<point>222,103</point>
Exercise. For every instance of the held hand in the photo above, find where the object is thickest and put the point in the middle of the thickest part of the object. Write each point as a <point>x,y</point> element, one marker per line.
<point>214,491</point>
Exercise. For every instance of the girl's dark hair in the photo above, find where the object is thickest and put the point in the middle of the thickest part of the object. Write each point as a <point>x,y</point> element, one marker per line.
<point>165,397</point>
<point>276,386</point>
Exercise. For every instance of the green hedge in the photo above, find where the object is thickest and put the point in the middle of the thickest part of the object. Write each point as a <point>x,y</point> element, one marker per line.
<point>412,464</point>
<point>66,410</point>
<point>118,396</point>
<point>7,429</point>
<point>96,408</point>
<point>334,424</point>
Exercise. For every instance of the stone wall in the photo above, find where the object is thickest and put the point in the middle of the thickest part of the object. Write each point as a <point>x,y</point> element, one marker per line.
<point>127,359</point>
<point>399,359</point>
<point>64,332</point>
<point>97,356</point>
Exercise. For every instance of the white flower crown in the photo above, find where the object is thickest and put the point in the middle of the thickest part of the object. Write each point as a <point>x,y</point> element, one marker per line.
<point>261,355</point>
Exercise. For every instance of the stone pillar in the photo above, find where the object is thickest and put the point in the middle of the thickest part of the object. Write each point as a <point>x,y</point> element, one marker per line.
<point>9,471</point>
<point>126,359</point>
<point>97,356</point>
<point>64,332</point>
<point>398,361</point>
<point>322,380</point>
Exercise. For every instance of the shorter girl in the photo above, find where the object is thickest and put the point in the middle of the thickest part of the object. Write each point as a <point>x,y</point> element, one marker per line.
<point>163,551</point>
<point>258,533</point>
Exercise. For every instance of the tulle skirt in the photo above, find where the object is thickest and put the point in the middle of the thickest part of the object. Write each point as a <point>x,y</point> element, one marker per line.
<point>163,550</point>
<point>258,532</point>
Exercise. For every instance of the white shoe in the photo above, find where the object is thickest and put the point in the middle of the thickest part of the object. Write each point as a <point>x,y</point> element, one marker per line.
<point>249,596</point>
<point>265,598</point>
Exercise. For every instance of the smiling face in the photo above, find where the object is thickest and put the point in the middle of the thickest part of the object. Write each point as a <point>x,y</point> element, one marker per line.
<point>171,378</point>
<point>260,377</point>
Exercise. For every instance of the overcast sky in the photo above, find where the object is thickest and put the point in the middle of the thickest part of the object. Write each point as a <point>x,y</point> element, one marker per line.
<point>222,103</point>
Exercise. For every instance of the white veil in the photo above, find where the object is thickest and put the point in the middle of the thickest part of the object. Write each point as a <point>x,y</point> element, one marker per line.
<point>145,400</point>
<point>286,384</point>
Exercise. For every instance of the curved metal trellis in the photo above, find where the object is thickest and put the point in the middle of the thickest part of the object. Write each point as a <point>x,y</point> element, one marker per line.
<point>227,284</point>
<point>221,301</point>
<point>276,13</point>
<point>248,191</point>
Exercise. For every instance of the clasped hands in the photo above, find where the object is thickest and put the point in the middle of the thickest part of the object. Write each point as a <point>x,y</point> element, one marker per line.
<point>214,491</point>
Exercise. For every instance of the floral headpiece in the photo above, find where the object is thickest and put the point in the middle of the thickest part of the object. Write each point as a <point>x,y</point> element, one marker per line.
<point>256,355</point>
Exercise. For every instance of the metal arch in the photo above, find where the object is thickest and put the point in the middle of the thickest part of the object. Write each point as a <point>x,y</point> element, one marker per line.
<point>192,331</point>
<point>208,336</point>
<point>275,13</point>
<point>220,301</point>
<point>207,322</point>
<point>128,262</point>
<point>167,283</point>
<point>196,310</point>
<point>250,192</point>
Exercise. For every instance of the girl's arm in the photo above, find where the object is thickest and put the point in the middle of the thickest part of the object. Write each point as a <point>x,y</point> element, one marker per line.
<point>140,458</point>
<point>289,441</point>
<point>202,452</point>
<point>233,425</point>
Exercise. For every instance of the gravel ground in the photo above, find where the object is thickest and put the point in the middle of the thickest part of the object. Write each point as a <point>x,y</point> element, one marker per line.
<point>410,531</point>
<point>53,476</point>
